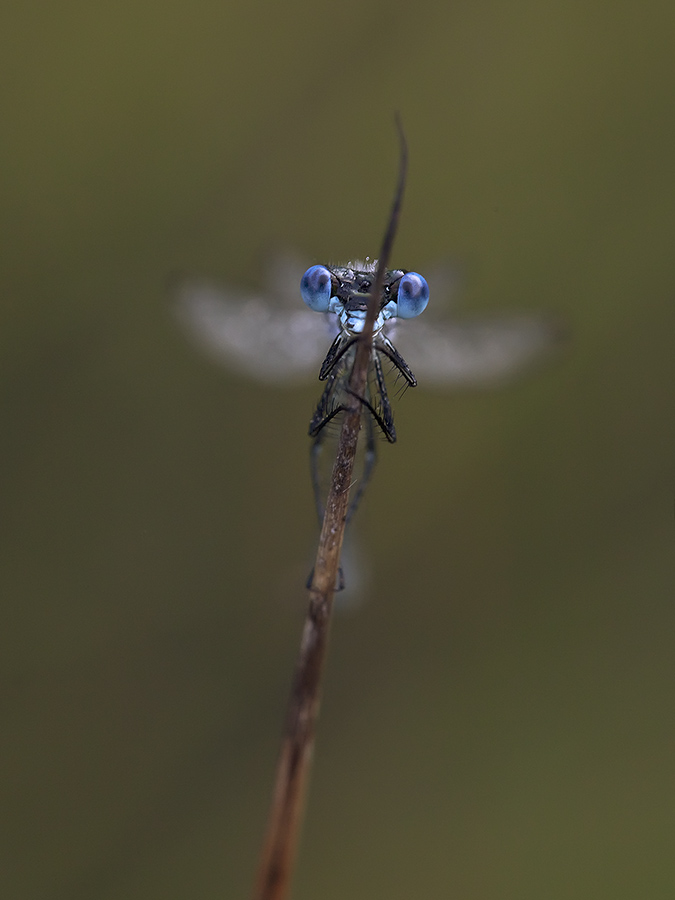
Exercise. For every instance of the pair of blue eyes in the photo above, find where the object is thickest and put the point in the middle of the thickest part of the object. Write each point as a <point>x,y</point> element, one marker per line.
<point>413,292</point>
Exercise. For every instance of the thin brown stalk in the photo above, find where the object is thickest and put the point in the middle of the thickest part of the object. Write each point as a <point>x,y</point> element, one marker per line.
<point>279,848</point>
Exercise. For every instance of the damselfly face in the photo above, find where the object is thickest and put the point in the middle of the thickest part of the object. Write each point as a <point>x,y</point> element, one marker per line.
<point>273,338</point>
<point>344,291</point>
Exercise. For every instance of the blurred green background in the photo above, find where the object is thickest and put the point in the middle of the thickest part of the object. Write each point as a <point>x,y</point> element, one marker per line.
<point>498,712</point>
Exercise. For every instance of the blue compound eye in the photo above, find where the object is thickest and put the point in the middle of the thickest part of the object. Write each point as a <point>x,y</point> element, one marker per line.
<point>413,296</point>
<point>316,287</point>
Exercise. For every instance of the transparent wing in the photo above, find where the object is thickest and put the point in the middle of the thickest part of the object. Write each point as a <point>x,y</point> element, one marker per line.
<point>253,334</point>
<point>479,352</point>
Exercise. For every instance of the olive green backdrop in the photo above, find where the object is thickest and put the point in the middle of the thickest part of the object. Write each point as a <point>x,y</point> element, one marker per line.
<point>498,713</point>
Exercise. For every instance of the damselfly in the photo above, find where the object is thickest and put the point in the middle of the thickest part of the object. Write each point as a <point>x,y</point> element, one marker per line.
<point>270,337</point>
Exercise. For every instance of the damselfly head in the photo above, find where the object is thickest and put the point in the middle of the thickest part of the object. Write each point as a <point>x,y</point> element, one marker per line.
<point>337,289</point>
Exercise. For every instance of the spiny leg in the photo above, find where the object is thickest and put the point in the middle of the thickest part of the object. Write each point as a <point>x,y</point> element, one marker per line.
<point>386,419</point>
<point>384,345</point>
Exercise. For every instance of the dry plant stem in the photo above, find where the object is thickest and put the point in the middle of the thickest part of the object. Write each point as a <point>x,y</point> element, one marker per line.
<point>279,850</point>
